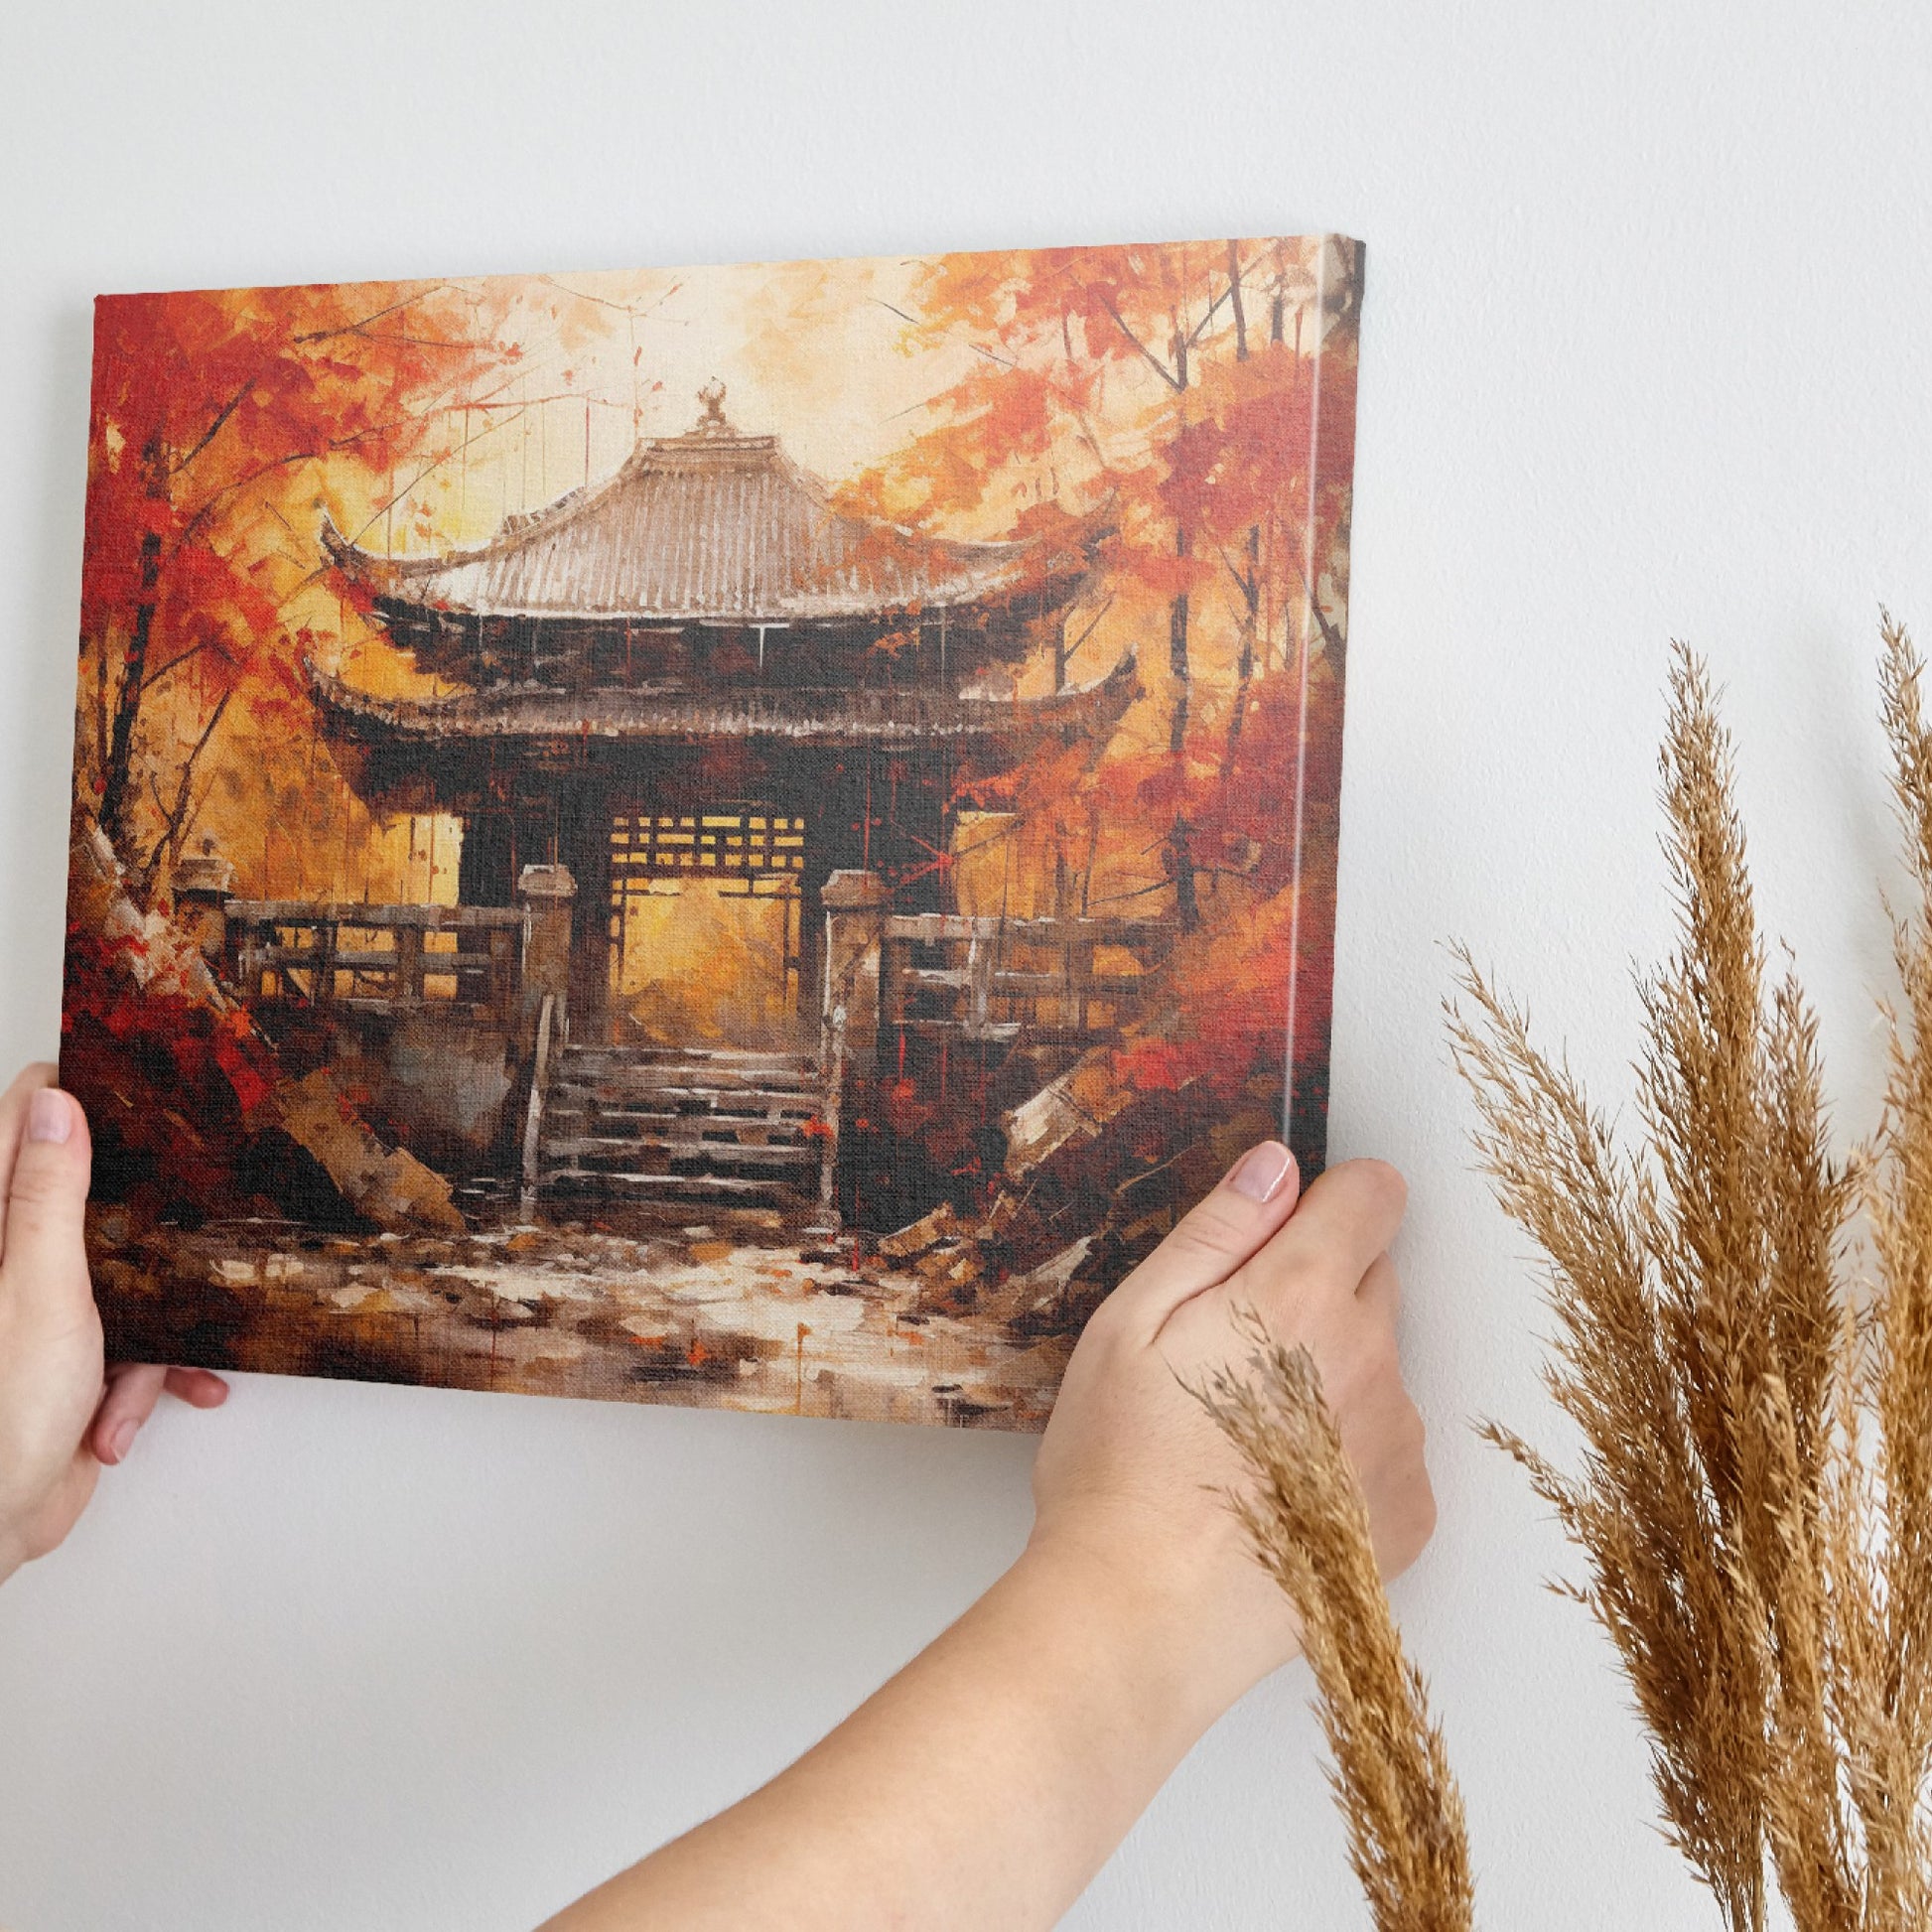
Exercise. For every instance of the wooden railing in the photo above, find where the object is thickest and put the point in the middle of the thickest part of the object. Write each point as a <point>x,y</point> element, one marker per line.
<point>377,958</point>
<point>553,1034</point>
<point>831,1070</point>
<point>995,979</point>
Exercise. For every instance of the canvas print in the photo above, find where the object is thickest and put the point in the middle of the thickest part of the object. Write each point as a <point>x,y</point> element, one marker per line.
<point>745,836</point>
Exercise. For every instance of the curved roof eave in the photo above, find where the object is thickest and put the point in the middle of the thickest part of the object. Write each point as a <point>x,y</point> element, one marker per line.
<point>703,527</point>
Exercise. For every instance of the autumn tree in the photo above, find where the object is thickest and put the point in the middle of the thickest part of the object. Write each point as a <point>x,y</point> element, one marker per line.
<point>213,414</point>
<point>1203,398</point>
<point>1202,394</point>
<point>1052,326</point>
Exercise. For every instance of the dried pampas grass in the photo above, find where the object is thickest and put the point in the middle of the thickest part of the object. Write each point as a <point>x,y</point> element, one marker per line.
<point>1308,1524</point>
<point>1755,1495</point>
<point>1753,1390</point>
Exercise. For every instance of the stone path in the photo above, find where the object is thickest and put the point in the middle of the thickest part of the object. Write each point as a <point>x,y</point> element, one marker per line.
<point>698,1315</point>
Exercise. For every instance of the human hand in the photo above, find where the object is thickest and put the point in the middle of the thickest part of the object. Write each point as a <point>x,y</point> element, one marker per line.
<point>63,1413</point>
<point>1136,1615</point>
<point>1131,1472</point>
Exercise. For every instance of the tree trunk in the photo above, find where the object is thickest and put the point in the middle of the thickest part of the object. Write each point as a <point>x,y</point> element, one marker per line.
<point>1187,900</point>
<point>1234,296</point>
<point>1244,668</point>
<point>1182,671</point>
<point>1178,663</point>
<point>116,791</point>
<point>1332,641</point>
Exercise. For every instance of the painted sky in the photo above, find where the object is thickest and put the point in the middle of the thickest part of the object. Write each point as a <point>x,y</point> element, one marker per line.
<point>814,351</point>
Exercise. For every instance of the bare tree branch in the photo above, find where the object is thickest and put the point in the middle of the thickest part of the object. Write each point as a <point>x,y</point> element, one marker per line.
<point>1154,362</point>
<point>242,394</point>
<point>176,822</point>
<point>180,657</point>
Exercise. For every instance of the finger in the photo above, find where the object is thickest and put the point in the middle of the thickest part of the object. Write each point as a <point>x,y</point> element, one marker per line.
<point>43,1263</point>
<point>1346,1218</point>
<point>133,1392</point>
<point>1380,1294</point>
<point>1235,1220</point>
<point>198,1387</point>
<point>13,1126</point>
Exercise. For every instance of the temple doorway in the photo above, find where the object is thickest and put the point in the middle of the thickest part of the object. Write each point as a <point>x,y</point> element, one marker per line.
<point>707,913</point>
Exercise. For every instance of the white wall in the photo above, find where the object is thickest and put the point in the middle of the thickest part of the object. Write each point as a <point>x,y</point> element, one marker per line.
<point>1644,354</point>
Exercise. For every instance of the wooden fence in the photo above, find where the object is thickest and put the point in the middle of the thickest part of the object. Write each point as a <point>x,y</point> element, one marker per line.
<point>377,958</point>
<point>1040,980</point>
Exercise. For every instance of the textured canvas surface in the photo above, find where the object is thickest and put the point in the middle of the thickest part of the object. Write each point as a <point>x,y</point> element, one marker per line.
<point>743,836</point>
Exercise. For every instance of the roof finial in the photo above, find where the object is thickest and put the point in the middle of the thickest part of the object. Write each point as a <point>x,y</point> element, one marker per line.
<point>712,395</point>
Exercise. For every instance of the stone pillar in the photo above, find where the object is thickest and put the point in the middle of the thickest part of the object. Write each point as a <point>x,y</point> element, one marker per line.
<point>203,882</point>
<point>855,916</point>
<point>583,845</point>
<point>547,894</point>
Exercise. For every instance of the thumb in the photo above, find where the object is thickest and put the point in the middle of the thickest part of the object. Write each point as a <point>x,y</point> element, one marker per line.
<point>1235,1220</point>
<point>43,1250</point>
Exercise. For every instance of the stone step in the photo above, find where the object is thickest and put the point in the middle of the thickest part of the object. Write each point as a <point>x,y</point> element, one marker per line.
<point>717,1069</point>
<point>582,1148</point>
<point>706,1091</point>
<point>738,1189</point>
<point>753,1101</point>
<point>682,1125</point>
<point>690,1130</point>
<point>692,1110</point>
<point>703,1073</point>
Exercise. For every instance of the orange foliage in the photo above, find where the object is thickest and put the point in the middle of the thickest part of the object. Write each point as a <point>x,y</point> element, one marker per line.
<point>216,418</point>
<point>173,1082</point>
<point>1129,375</point>
<point>1202,399</point>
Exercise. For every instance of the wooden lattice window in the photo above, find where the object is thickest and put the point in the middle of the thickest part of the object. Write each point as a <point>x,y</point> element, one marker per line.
<point>707,845</point>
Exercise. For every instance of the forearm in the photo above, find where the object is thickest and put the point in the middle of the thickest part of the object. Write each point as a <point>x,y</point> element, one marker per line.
<point>991,1778</point>
<point>984,1785</point>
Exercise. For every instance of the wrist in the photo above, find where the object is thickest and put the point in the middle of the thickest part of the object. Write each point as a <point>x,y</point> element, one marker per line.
<point>1140,1625</point>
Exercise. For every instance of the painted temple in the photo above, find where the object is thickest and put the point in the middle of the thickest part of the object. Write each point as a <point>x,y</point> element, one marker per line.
<point>703,669</point>
<point>707,733</point>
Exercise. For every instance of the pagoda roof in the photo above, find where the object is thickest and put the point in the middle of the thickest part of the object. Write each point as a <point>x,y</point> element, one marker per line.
<point>829,719</point>
<point>713,525</point>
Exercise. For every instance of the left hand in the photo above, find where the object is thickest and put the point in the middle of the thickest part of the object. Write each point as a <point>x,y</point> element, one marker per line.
<point>64,1413</point>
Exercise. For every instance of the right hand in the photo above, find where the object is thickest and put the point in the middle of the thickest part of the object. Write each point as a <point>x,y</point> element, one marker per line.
<point>63,1414</point>
<point>1132,1470</point>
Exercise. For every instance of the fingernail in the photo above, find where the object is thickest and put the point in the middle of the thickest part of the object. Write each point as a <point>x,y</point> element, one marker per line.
<point>1260,1171</point>
<point>122,1439</point>
<point>49,1115</point>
